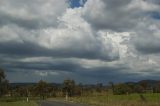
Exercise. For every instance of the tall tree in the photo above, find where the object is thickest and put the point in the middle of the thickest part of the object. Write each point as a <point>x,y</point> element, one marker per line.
<point>3,83</point>
<point>111,84</point>
<point>99,87</point>
<point>68,87</point>
<point>41,89</point>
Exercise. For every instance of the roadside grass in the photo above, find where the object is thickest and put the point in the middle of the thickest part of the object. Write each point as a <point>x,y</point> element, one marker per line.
<point>150,99</point>
<point>18,101</point>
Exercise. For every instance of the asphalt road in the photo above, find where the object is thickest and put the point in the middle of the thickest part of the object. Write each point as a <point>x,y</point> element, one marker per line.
<point>54,103</point>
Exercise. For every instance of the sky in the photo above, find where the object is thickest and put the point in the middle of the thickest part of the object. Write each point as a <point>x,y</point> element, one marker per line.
<point>90,41</point>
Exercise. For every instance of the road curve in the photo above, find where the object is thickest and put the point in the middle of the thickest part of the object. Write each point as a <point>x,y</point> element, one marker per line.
<point>54,103</point>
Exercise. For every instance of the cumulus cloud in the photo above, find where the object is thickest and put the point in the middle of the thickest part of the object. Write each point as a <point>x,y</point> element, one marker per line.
<point>31,14</point>
<point>114,15</point>
<point>72,38</point>
<point>117,15</point>
<point>99,40</point>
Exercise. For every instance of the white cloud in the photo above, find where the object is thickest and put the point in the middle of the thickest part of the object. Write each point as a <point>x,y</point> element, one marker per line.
<point>82,2</point>
<point>103,34</point>
<point>46,73</point>
<point>40,73</point>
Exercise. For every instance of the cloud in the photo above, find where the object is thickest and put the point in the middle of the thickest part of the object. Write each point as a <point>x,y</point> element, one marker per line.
<point>146,39</point>
<point>82,2</point>
<point>73,38</point>
<point>102,40</point>
<point>150,45</point>
<point>31,14</point>
<point>116,15</point>
<point>109,14</point>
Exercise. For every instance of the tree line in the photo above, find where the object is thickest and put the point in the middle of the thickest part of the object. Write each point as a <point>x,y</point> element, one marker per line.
<point>69,88</point>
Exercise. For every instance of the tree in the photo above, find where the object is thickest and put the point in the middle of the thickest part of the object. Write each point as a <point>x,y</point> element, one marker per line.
<point>68,87</point>
<point>138,88</point>
<point>21,91</point>
<point>2,75</point>
<point>122,89</point>
<point>144,84</point>
<point>41,89</point>
<point>112,86</point>
<point>99,87</point>
<point>156,88</point>
<point>3,83</point>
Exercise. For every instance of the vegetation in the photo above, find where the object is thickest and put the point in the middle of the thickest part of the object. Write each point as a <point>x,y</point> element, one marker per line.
<point>68,87</point>
<point>41,89</point>
<point>3,83</point>
<point>145,92</point>
<point>18,103</point>
<point>119,100</point>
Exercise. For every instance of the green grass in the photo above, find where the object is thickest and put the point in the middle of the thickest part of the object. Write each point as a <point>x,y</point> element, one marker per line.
<point>19,103</point>
<point>15,99</point>
<point>119,100</point>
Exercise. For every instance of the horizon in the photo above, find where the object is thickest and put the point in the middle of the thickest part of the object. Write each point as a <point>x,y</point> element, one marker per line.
<point>89,41</point>
<point>104,84</point>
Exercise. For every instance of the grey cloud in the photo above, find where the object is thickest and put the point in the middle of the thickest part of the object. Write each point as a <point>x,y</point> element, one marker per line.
<point>117,15</point>
<point>112,14</point>
<point>31,49</point>
<point>153,1</point>
<point>78,73</point>
<point>147,41</point>
<point>116,4</point>
<point>80,33</point>
<point>74,70</point>
<point>55,65</point>
<point>70,69</point>
<point>149,46</point>
<point>79,43</point>
<point>6,19</point>
<point>31,14</point>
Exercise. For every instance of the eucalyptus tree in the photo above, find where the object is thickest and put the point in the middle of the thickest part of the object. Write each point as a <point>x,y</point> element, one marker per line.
<point>3,83</point>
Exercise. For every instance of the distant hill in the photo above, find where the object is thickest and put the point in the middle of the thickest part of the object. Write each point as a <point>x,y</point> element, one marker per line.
<point>30,84</point>
<point>150,83</point>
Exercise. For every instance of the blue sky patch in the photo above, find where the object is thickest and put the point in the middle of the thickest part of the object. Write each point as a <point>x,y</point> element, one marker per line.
<point>76,3</point>
<point>155,15</point>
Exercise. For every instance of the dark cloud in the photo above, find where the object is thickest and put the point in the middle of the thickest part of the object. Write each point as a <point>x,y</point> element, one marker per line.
<point>41,66</point>
<point>6,19</point>
<point>148,44</point>
<point>93,43</point>
<point>112,14</point>
<point>75,70</point>
<point>148,48</point>
<point>31,49</point>
<point>153,1</point>
<point>116,4</point>
<point>155,15</point>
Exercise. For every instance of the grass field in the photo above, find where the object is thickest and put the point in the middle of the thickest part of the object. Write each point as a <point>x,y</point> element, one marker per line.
<point>18,103</point>
<point>120,100</point>
<point>150,99</point>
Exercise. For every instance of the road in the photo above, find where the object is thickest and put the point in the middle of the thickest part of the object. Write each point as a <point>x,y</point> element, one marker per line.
<point>54,103</point>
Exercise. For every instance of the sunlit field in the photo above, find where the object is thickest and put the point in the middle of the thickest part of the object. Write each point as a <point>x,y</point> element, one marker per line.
<point>120,100</point>
<point>96,99</point>
<point>149,99</point>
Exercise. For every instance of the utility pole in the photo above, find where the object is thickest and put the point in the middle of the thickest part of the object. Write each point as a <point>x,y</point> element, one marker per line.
<point>27,95</point>
<point>66,96</point>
